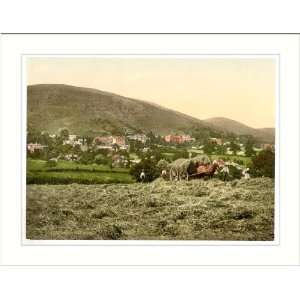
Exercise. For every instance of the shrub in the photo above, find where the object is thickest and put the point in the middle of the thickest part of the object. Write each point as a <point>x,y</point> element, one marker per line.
<point>263,164</point>
<point>239,161</point>
<point>234,173</point>
<point>86,158</point>
<point>149,168</point>
<point>100,159</point>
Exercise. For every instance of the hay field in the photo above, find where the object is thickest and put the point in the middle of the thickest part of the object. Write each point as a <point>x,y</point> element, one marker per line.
<point>161,210</point>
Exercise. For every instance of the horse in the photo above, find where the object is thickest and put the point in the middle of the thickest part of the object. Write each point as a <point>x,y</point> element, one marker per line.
<point>207,170</point>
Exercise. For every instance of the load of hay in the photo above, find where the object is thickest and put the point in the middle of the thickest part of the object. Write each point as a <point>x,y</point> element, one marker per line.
<point>183,167</point>
<point>162,165</point>
<point>179,167</point>
<point>201,159</point>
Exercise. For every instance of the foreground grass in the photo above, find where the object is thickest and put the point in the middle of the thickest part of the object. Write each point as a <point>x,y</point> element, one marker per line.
<point>161,210</point>
<point>66,172</point>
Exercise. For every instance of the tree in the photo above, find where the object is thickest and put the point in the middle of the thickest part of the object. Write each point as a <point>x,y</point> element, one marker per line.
<point>221,149</point>
<point>33,136</point>
<point>151,138</point>
<point>234,147</point>
<point>86,157</point>
<point>64,133</point>
<point>263,164</point>
<point>249,149</point>
<point>76,150</point>
<point>135,146</point>
<point>209,148</point>
<point>87,140</point>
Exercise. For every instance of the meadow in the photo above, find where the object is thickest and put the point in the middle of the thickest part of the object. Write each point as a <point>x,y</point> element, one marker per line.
<point>245,159</point>
<point>67,172</point>
<point>160,210</point>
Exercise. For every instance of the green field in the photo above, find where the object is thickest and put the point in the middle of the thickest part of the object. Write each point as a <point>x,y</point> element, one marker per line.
<point>66,172</point>
<point>161,210</point>
<point>245,159</point>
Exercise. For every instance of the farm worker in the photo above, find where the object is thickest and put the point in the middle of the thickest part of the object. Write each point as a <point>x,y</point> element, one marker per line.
<point>225,172</point>
<point>163,173</point>
<point>246,174</point>
<point>142,176</point>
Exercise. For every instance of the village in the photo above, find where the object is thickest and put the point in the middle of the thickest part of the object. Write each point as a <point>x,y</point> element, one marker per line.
<point>132,153</point>
<point>70,146</point>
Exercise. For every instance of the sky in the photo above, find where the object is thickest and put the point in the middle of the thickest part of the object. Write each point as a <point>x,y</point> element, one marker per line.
<point>242,89</point>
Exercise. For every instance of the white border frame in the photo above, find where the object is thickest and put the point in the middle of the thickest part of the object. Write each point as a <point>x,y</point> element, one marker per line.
<point>287,253</point>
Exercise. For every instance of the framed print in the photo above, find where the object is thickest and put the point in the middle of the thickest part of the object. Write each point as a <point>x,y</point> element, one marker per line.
<point>150,149</point>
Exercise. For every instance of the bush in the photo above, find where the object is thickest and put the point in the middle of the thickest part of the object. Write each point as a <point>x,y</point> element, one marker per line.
<point>234,173</point>
<point>263,164</point>
<point>239,161</point>
<point>100,159</point>
<point>86,158</point>
<point>149,168</point>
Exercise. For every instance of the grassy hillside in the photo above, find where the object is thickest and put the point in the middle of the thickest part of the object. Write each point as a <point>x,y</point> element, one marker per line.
<point>227,125</point>
<point>89,111</point>
<point>161,210</point>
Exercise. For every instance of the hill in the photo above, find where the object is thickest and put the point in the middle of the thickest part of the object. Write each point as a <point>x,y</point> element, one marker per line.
<point>90,111</point>
<point>228,125</point>
<point>93,112</point>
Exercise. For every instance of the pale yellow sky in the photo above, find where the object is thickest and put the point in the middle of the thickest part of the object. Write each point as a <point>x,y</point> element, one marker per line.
<point>242,89</point>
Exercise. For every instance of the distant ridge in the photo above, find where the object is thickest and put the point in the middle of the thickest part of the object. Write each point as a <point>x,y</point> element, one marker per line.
<point>228,125</point>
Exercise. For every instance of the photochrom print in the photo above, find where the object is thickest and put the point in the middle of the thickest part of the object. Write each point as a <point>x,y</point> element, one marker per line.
<point>150,147</point>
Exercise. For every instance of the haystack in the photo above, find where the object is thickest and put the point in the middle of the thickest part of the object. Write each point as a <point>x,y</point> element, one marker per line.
<point>201,159</point>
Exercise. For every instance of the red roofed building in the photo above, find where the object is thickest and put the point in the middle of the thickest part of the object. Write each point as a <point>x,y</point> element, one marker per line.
<point>35,146</point>
<point>178,139</point>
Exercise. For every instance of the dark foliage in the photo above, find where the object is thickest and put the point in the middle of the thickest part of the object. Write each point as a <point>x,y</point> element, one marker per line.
<point>263,164</point>
<point>149,168</point>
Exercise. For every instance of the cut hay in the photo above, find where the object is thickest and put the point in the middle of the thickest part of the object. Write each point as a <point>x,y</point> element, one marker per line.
<point>160,210</point>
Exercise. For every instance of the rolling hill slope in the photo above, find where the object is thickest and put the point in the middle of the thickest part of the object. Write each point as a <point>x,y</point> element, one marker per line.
<point>228,125</point>
<point>83,110</point>
<point>93,112</point>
